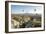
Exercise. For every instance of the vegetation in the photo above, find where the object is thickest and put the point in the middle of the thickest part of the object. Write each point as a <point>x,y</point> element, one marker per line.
<point>26,21</point>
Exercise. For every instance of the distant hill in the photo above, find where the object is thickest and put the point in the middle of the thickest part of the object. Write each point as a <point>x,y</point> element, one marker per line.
<point>27,14</point>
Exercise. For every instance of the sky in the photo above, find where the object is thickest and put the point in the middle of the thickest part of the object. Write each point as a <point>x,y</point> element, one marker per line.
<point>25,9</point>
